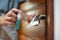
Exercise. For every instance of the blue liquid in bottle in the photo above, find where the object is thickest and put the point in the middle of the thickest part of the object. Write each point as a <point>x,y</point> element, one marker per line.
<point>17,25</point>
<point>17,22</point>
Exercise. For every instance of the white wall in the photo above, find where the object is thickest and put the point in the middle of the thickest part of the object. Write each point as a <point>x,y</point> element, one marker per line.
<point>56,19</point>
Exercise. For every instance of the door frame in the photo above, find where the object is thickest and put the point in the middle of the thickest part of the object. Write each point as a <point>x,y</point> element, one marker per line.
<point>50,20</point>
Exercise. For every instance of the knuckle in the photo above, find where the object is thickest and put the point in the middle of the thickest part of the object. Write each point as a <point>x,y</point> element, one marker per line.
<point>14,20</point>
<point>11,18</point>
<point>13,9</point>
<point>6,22</point>
<point>14,15</point>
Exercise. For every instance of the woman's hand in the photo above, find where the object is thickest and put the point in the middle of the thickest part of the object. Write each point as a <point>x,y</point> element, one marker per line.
<point>10,18</point>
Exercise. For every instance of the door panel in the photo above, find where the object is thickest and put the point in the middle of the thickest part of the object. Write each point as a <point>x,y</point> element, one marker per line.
<point>35,32</point>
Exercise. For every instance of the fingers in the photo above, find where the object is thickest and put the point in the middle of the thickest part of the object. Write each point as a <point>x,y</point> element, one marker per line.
<point>11,15</point>
<point>8,23</point>
<point>10,19</point>
<point>15,10</point>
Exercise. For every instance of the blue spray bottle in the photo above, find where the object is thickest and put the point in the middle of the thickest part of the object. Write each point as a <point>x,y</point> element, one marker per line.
<point>17,22</point>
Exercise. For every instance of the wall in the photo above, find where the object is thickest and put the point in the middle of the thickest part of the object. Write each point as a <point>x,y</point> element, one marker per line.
<point>56,19</point>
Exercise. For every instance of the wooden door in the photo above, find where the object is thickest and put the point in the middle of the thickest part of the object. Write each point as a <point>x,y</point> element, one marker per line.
<point>35,33</point>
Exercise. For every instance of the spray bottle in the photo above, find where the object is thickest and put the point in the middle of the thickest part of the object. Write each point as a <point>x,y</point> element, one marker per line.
<point>17,22</point>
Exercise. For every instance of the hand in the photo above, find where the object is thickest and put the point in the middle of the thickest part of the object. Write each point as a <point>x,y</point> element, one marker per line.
<point>10,18</point>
